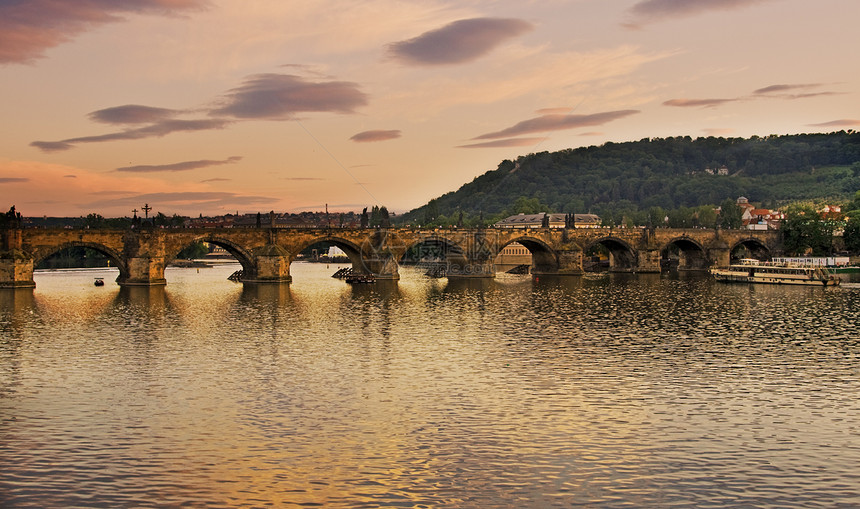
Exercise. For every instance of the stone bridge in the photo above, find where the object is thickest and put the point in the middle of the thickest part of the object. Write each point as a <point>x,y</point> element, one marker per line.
<point>266,253</point>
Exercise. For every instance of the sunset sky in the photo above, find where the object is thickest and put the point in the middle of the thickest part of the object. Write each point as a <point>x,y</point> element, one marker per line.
<point>217,106</point>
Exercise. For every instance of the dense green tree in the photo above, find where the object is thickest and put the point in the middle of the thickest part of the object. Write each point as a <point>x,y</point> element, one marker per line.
<point>660,172</point>
<point>851,234</point>
<point>94,221</point>
<point>194,251</point>
<point>805,232</point>
<point>731,215</point>
<point>524,205</point>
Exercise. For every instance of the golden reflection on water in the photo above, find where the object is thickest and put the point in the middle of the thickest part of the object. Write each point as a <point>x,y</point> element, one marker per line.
<point>637,390</point>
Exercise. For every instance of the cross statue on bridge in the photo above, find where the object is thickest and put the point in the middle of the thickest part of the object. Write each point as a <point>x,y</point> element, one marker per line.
<point>146,209</point>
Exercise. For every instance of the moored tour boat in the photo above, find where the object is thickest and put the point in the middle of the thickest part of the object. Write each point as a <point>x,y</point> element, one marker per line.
<point>754,271</point>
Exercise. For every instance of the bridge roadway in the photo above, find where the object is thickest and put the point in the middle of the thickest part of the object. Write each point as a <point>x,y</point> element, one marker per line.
<point>266,253</point>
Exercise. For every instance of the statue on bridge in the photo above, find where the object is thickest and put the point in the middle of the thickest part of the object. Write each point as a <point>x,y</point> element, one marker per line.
<point>11,220</point>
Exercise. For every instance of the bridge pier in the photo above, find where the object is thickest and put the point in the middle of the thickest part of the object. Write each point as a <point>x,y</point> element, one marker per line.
<point>271,264</point>
<point>382,267</point>
<point>570,262</point>
<point>649,260</point>
<point>143,271</point>
<point>720,256</point>
<point>16,270</point>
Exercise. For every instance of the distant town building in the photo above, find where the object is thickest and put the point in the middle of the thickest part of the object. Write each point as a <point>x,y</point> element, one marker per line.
<point>754,218</point>
<point>722,170</point>
<point>555,221</point>
<point>511,256</point>
<point>831,212</point>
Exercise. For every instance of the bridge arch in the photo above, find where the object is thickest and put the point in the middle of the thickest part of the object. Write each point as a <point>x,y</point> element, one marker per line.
<point>622,256</point>
<point>544,258</point>
<point>350,248</point>
<point>240,253</point>
<point>691,254</point>
<point>750,248</point>
<point>115,258</point>
<point>441,255</point>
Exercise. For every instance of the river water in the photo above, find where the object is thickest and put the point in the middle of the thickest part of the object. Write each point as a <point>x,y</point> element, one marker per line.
<point>626,391</point>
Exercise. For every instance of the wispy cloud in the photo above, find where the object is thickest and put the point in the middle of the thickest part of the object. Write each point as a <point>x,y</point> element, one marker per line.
<point>718,131</point>
<point>844,122</point>
<point>13,180</point>
<point>508,142</point>
<point>183,166</point>
<point>375,135</point>
<point>280,96</point>
<point>650,11</point>
<point>132,114</point>
<point>798,91</point>
<point>458,42</point>
<point>204,199</point>
<point>555,122</point>
<point>303,179</point>
<point>698,103</point>
<point>29,28</point>
<point>219,179</point>
<point>786,92</point>
<point>155,130</point>
<point>262,96</point>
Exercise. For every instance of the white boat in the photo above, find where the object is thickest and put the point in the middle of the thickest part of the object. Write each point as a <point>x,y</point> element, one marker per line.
<point>754,271</point>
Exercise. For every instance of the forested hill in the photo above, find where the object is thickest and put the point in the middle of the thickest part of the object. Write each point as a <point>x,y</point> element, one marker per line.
<point>669,173</point>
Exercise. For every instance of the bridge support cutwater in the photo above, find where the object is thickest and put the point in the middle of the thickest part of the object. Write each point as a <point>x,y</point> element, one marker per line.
<point>649,260</point>
<point>16,268</point>
<point>143,271</point>
<point>270,264</point>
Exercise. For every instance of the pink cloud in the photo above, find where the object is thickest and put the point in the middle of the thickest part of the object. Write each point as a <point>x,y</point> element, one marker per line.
<point>717,131</point>
<point>557,122</point>
<point>788,91</point>
<point>508,142</point>
<point>844,122</point>
<point>155,130</point>
<point>132,114</point>
<point>183,166</point>
<point>375,135</point>
<point>29,28</point>
<point>458,42</point>
<point>695,103</point>
<point>648,11</point>
<point>279,96</point>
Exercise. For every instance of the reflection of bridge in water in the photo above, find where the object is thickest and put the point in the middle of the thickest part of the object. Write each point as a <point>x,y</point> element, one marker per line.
<point>266,253</point>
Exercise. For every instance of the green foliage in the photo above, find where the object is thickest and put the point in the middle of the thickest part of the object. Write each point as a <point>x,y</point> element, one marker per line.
<point>194,251</point>
<point>75,256</point>
<point>804,232</point>
<point>851,233</point>
<point>731,215</point>
<point>524,205</point>
<point>624,180</point>
<point>94,221</point>
<point>379,217</point>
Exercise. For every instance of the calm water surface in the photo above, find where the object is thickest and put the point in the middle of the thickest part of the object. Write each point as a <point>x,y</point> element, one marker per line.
<point>630,391</point>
